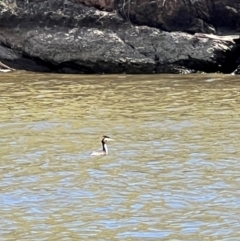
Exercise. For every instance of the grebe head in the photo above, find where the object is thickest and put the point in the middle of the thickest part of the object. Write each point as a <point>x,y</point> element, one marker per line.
<point>105,139</point>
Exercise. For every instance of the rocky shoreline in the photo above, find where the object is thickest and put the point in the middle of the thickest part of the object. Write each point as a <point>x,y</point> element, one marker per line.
<point>107,36</point>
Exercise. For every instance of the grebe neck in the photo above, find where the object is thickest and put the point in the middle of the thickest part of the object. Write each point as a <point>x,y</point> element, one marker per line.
<point>105,149</point>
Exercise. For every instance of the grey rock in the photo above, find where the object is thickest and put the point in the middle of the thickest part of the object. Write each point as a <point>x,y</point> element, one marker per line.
<point>63,36</point>
<point>7,53</point>
<point>194,16</point>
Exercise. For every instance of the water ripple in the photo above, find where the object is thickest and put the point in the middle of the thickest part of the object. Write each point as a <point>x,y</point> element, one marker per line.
<point>172,173</point>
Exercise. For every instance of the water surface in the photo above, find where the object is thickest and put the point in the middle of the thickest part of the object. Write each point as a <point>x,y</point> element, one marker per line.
<point>173,172</point>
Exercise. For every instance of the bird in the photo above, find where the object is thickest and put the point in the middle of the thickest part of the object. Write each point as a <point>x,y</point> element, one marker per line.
<point>104,150</point>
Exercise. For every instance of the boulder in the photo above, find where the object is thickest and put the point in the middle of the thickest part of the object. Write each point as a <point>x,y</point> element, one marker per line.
<point>71,37</point>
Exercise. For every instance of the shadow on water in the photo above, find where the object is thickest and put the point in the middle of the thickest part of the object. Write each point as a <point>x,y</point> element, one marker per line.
<point>172,173</point>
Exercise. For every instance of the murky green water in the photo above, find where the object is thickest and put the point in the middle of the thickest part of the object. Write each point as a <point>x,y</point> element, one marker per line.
<point>173,172</point>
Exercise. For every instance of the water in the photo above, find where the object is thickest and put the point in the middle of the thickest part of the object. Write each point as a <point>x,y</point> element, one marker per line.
<point>173,172</point>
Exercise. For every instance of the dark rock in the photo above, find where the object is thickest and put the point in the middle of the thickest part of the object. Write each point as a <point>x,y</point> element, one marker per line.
<point>218,16</point>
<point>132,50</point>
<point>7,54</point>
<point>17,60</point>
<point>86,50</point>
<point>236,71</point>
<point>106,5</point>
<point>169,15</point>
<point>68,37</point>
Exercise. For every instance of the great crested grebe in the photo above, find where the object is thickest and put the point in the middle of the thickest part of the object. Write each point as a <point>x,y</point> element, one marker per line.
<point>104,150</point>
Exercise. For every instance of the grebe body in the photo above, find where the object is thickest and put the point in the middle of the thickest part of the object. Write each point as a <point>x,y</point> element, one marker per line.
<point>104,150</point>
